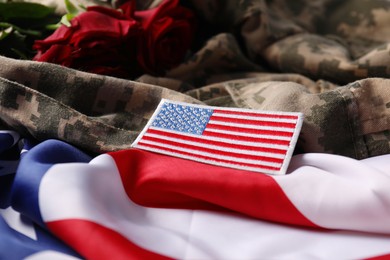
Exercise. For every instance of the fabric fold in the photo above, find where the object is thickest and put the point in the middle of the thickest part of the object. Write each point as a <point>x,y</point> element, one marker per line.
<point>114,197</point>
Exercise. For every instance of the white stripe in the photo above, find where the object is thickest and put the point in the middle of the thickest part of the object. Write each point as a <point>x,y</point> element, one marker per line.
<point>250,126</point>
<point>219,139</point>
<point>216,147</point>
<point>233,159</point>
<point>349,194</point>
<point>194,158</point>
<point>257,118</point>
<point>95,192</point>
<point>235,133</point>
<point>50,255</point>
<point>15,220</point>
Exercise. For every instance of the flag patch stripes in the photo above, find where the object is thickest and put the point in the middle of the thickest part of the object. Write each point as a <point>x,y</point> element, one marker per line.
<point>260,141</point>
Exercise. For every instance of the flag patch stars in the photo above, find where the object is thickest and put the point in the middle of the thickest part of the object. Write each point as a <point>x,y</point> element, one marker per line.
<point>187,119</point>
<point>260,141</point>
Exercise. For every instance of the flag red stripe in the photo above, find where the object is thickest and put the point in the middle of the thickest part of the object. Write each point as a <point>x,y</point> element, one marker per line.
<point>247,138</point>
<point>219,143</point>
<point>265,167</point>
<point>209,150</point>
<point>249,130</point>
<point>252,122</point>
<point>380,257</point>
<point>155,180</point>
<point>227,136</point>
<point>242,113</point>
<point>94,241</point>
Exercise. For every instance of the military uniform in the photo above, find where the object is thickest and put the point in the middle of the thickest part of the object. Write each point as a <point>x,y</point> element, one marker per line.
<point>329,59</point>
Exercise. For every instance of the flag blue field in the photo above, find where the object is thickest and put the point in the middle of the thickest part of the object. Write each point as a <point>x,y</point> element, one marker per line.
<point>20,235</point>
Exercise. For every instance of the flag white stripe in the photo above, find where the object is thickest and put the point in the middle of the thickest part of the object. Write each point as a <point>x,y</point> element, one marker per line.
<point>215,147</point>
<point>257,118</point>
<point>225,140</point>
<point>15,221</point>
<point>218,163</point>
<point>210,155</point>
<point>233,133</point>
<point>50,255</point>
<point>251,126</point>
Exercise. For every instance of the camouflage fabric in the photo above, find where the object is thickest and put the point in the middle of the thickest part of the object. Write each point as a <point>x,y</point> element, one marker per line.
<point>326,58</point>
<point>93,112</point>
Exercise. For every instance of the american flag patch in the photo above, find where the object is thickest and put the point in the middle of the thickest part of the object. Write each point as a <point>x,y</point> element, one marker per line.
<point>260,141</point>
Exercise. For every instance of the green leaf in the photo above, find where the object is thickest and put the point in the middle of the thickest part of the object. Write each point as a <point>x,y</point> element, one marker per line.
<point>21,30</point>
<point>4,33</point>
<point>19,53</point>
<point>53,26</point>
<point>66,19</point>
<point>71,8</point>
<point>83,7</point>
<point>17,10</point>
<point>13,43</point>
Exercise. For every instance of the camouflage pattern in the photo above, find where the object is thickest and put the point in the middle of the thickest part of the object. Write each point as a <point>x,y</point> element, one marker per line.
<point>326,58</point>
<point>351,120</point>
<point>93,112</point>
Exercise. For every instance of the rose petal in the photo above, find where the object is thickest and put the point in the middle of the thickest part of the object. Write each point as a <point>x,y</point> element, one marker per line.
<point>61,35</point>
<point>128,8</point>
<point>59,54</point>
<point>106,11</point>
<point>148,16</point>
<point>101,24</point>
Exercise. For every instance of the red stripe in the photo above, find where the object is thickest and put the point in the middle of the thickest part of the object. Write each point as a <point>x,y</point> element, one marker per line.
<point>241,113</point>
<point>217,143</point>
<point>252,122</point>
<point>156,180</point>
<point>246,138</point>
<point>249,130</point>
<point>210,150</point>
<point>380,257</point>
<point>227,136</point>
<point>94,241</point>
<point>210,158</point>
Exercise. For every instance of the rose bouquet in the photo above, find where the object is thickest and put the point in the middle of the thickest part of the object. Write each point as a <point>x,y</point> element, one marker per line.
<point>123,42</point>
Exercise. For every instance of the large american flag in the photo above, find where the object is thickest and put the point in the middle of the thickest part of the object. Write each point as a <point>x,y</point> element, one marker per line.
<point>144,205</point>
<point>260,141</point>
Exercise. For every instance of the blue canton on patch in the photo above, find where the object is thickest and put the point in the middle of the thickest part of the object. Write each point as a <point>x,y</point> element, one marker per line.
<point>181,118</point>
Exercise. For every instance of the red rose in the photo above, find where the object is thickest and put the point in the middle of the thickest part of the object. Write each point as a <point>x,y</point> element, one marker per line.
<point>168,33</point>
<point>100,40</point>
<point>122,43</point>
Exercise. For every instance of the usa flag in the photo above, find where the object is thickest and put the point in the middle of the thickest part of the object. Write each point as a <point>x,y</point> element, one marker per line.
<point>259,141</point>
<point>136,204</point>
